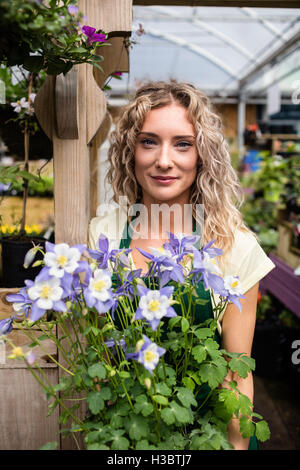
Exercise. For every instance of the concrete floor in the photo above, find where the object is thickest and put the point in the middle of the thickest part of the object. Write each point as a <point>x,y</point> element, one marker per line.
<point>277,400</point>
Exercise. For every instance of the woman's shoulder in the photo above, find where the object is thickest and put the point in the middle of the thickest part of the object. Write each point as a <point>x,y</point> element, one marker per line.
<point>244,241</point>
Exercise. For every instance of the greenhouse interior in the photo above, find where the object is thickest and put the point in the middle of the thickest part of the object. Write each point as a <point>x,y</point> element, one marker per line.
<point>246,59</point>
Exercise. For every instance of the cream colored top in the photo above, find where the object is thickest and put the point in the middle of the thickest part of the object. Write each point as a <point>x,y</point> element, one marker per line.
<point>247,259</point>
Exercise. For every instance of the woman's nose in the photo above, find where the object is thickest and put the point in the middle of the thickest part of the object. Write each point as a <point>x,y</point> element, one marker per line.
<point>164,157</point>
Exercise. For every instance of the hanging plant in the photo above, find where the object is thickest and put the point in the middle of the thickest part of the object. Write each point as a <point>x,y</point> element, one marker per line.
<point>47,36</point>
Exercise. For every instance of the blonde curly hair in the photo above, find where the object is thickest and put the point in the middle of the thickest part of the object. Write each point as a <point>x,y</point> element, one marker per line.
<point>216,185</point>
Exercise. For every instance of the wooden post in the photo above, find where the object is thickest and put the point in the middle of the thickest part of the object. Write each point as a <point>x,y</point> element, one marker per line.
<point>72,111</point>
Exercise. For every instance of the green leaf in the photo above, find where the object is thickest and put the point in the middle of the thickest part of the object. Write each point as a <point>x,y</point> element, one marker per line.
<point>163,389</point>
<point>186,397</point>
<point>173,321</point>
<point>262,431</point>
<point>189,383</point>
<point>168,416</point>
<point>245,404</point>
<point>143,406</point>
<point>49,446</point>
<point>144,445</point>
<point>95,402</point>
<point>137,427</point>
<point>184,325</point>
<point>97,370</point>
<point>43,337</point>
<point>120,443</point>
<point>105,393</point>
<point>242,365</point>
<point>203,333</point>
<point>230,400</point>
<point>95,330</point>
<point>247,428</point>
<point>97,446</point>
<point>212,374</point>
<point>160,399</point>
<point>181,413</point>
<point>124,374</point>
<point>199,353</point>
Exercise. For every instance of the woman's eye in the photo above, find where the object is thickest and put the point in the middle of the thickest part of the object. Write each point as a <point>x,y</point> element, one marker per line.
<point>184,144</point>
<point>147,142</point>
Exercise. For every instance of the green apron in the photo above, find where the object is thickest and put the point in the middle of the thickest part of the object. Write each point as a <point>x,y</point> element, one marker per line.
<point>202,313</point>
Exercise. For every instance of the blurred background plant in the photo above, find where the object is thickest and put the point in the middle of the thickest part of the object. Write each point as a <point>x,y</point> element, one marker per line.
<point>272,192</point>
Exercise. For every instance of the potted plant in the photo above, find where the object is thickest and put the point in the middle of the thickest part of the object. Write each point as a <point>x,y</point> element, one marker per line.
<point>149,379</point>
<point>16,241</point>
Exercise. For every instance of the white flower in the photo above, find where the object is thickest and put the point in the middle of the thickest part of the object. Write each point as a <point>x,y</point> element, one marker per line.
<point>62,259</point>
<point>233,285</point>
<point>18,105</point>
<point>150,356</point>
<point>210,264</point>
<point>99,285</point>
<point>154,305</point>
<point>46,292</point>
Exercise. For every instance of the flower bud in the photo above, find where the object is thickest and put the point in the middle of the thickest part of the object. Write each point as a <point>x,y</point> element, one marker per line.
<point>112,373</point>
<point>148,383</point>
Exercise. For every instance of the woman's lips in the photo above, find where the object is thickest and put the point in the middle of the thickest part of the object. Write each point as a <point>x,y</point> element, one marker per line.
<point>164,179</point>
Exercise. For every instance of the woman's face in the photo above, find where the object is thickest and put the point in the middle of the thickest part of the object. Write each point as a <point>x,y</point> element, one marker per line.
<point>166,156</point>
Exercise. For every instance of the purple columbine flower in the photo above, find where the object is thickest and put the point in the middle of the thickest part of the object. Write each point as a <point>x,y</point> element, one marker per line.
<point>104,254</point>
<point>92,36</point>
<point>112,344</point>
<point>164,263</point>
<point>98,294</point>
<point>21,302</point>
<point>147,353</point>
<point>126,288</point>
<point>181,244</point>
<point>73,10</point>
<point>6,325</point>
<point>154,305</point>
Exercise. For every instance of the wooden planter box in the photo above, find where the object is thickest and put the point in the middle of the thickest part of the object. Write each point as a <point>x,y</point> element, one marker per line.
<point>285,249</point>
<point>23,419</point>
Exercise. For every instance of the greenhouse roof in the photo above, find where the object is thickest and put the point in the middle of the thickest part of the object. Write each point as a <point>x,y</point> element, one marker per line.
<point>224,51</point>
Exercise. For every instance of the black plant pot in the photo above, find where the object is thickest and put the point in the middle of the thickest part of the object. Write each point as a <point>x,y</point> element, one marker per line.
<point>40,146</point>
<point>13,254</point>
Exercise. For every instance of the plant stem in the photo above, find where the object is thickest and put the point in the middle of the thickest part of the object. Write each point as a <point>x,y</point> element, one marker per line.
<point>26,158</point>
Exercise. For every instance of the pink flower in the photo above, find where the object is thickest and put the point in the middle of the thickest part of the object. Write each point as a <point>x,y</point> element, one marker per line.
<point>92,35</point>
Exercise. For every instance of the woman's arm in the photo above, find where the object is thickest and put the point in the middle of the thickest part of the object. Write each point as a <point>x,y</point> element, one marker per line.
<point>237,336</point>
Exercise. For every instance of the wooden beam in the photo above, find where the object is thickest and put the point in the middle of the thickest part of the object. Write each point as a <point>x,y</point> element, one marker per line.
<point>222,3</point>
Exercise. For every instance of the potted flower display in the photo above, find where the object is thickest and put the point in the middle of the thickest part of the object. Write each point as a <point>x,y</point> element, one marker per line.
<point>148,371</point>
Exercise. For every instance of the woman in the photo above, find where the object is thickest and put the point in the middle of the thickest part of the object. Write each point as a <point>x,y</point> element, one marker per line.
<point>168,148</point>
